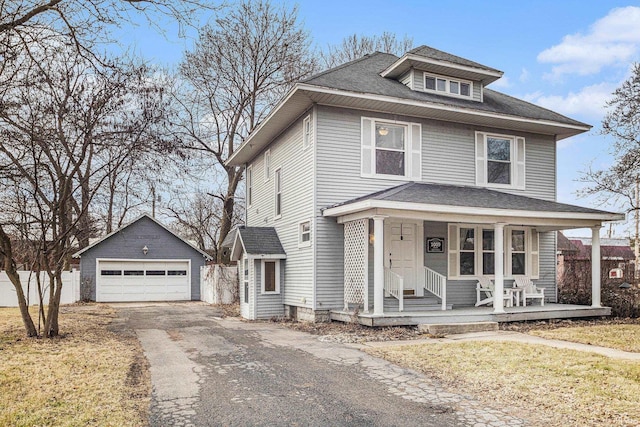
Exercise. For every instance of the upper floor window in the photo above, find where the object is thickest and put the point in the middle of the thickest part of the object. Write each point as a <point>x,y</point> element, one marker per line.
<point>307,132</point>
<point>500,160</point>
<point>278,188</point>
<point>391,149</point>
<point>249,185</point>
<point>448,86</point>
<point>267,165</point>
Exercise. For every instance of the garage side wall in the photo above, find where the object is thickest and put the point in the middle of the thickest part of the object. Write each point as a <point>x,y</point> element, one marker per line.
<point>128,244</point>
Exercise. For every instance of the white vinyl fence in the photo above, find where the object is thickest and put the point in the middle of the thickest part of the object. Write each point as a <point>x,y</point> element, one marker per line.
<point>70,288</point>
<point>218,284</point>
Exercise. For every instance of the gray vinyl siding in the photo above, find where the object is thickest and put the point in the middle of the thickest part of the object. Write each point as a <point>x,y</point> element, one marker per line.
<point>407,78</point>
<point>448,157</point>
<point>547,278</point>
<point>297,168</point>
<point>267,305</point>
<point>128,243</point>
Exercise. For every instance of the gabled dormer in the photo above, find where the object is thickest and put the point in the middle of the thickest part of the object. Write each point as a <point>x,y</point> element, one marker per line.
<point>430,70</point>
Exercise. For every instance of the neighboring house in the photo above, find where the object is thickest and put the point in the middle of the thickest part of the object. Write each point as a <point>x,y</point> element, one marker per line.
<point>615,254</point>
<point>392,181</point>
<point>142,261</point>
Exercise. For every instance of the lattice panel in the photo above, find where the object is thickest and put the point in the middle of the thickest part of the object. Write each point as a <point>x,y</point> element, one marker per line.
<point>356,234</point>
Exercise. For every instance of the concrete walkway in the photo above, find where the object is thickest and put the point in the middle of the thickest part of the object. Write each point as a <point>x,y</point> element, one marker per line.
<point>515,337</point>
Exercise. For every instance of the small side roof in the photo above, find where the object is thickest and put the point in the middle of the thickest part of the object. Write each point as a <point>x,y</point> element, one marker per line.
<point>258,242</point>
<point>80,252</point>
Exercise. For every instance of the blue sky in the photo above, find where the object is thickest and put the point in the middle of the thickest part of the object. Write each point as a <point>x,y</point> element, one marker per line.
<point>568,56</point>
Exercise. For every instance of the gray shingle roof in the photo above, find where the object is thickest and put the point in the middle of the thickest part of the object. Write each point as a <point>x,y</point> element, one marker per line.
<point>429,52</point>
<point>474,197</point>
<point>363,76</point>
<point>261,241</point>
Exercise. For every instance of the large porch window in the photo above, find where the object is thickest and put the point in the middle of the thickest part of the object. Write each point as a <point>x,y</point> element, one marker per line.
<point>470,258</point>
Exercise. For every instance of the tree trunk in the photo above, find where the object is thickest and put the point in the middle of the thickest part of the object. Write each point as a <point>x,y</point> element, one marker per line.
<point>51,327</point>
<point>10,268</point>
<point>234,175</point>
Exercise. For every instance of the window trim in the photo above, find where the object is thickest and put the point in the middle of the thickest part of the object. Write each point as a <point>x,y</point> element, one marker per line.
<point>307,132</point>
<point>517,160</point>
<point>262,276</point>
<point>301,243</point>
<point>412,150</point>
<point>277,188</point>
<point>249,185</point>
<point>267,165</point>
<point>448,80</point>
<point>530,252</point>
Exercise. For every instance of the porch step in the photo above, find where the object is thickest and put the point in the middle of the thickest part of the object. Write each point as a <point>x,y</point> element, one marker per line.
<point>413,304</point>
<point>457,328</point>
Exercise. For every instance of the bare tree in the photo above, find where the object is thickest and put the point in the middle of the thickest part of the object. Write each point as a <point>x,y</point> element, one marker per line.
<point>622,122</point>
<point>354,47</point>
<point>59,115</point>
<point>237,71</point>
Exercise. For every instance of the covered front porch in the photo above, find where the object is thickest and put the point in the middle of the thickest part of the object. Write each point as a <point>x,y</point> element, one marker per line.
<point>415,253</point>
<point>473,314</point>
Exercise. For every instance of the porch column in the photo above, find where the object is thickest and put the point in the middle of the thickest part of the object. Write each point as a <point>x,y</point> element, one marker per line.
<point>595,266</point>
<point>498,302</point>
<point>378,264</point>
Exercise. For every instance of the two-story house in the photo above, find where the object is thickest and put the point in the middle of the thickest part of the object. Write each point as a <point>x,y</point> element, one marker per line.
<point>390,185</point>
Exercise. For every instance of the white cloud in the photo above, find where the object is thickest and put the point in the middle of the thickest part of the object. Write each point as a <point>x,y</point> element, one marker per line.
<point>524,75</point>
<point>502,82</point>
<point>612,40</point>
<point>587,104</point>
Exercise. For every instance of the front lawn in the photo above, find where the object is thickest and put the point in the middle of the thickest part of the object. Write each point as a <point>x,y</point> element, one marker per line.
<point>624,337</point>
<point>89,377</point>
<point>548,386</point>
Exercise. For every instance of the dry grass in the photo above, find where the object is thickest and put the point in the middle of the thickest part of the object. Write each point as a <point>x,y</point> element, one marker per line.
<point>551,387</point>
<point>621,337</point>
<point>89,377</point>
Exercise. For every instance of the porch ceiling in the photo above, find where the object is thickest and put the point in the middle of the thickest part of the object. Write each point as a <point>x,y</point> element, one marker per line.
<point>437,202</point>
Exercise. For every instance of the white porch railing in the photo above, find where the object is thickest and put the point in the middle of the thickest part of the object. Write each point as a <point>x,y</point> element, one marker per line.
<point>436,283</point>
<point>393,285</point>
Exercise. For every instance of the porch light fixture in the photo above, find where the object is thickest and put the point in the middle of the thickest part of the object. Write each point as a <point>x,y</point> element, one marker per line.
<point>145,250</point>
<point>383,131</point>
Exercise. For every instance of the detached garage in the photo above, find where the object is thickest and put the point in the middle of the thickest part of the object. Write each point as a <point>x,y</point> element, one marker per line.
<point>142,261</point>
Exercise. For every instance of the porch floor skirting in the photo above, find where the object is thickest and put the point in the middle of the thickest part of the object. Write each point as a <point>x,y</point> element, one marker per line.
<point>474,314</point>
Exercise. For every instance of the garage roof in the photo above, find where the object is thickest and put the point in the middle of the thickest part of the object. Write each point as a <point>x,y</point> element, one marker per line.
<point>96,243</point>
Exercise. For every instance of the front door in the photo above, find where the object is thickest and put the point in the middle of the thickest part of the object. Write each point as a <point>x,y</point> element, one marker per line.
<point>401,256</point>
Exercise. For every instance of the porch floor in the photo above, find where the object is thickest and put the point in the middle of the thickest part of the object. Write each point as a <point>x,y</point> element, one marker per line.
<point>474,314</point>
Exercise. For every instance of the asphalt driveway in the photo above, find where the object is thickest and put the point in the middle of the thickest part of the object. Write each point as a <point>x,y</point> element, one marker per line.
<point>209,371</point>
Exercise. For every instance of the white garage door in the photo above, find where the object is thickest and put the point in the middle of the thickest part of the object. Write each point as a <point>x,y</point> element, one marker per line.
<point>123,281</point>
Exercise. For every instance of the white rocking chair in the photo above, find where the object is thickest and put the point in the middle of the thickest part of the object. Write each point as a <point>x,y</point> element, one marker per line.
<point>529,290</point>
<point>487,287</point>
